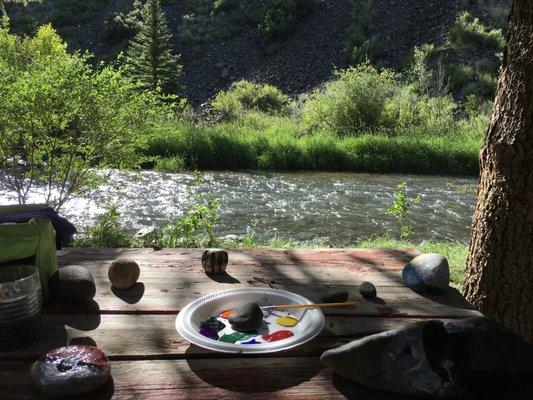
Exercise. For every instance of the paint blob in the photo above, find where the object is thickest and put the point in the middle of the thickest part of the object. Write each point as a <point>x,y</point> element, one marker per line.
<point>209,333</point>
<point>235,337</point>
<point>288,322</point>
<point>226,314</point>
<point>278,335</point>
<point>213,324</point>
<point>252,341</point>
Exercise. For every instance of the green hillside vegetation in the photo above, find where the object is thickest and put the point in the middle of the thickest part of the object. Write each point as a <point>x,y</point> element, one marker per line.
<point>428,118</point>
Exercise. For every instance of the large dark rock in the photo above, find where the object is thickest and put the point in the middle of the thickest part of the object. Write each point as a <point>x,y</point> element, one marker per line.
<point>427,272</point>
<point>439,359</point>
<point>73,284</point>
<point>70,371</point>
<point>248,317</point>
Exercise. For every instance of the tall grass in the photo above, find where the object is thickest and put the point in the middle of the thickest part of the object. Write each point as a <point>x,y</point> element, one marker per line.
<point>274,143</point>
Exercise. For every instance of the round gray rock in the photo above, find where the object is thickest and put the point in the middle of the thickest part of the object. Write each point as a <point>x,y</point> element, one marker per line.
<point>247,317</point>
<point>73,284</point>
<point>367,290</point>
<point>427,272</point>
<point>70,371</point>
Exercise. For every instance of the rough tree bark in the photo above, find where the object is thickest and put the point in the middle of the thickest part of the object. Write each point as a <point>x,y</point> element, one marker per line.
<point>499,270</point>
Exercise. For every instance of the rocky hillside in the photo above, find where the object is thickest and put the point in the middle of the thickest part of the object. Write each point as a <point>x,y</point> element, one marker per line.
<point>218,48</point>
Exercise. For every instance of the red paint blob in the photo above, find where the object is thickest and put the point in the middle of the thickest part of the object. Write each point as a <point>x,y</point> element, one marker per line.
<point>278,335</point>
<point>226,314</point>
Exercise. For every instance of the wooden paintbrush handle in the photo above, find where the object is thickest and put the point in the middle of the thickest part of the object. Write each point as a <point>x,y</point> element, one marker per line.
<point>318,305</point>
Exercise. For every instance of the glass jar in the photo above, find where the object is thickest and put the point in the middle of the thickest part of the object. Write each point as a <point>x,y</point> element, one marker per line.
<point>20,305</point>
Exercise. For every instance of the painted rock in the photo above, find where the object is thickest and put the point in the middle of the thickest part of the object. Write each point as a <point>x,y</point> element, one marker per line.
<point>70,371</point>
<point>438,359</point>
<point>367,290</point>
<point>247,317</point>
<point>427,272</point>
<point>214,261</point>
<point>339,297</point>
<point>73,284</point>
<point>123,273</point>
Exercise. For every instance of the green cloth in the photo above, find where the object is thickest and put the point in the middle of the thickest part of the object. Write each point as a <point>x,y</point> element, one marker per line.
<point>35,238</point>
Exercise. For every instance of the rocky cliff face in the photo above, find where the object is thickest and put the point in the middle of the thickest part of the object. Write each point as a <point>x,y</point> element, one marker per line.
<point>304,60</point>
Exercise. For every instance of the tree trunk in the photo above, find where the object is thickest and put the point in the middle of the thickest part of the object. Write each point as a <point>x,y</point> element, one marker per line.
<point>499,269</point>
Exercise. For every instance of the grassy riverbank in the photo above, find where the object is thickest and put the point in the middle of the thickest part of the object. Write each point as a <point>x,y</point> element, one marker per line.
<point>365,120</point>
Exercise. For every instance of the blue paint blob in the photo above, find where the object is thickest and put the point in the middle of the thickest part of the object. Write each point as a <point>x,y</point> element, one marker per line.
<point>252,341</point>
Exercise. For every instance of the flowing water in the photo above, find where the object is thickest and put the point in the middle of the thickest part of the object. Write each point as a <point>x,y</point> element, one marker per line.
<point>342,207</point>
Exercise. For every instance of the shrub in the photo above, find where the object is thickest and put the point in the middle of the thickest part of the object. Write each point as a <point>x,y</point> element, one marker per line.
<point>411,112</point>
<point>351,104</point>
<point>280,18</point>
<point>106,232</point>
<point>469,34</point>
<point>359,46</point>
<point>172,164</point>
<point>119,26</point>
<point>245,96</point>
<point>225,5</point>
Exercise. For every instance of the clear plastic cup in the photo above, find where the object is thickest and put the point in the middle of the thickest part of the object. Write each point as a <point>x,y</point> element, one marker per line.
<point>20,305</point>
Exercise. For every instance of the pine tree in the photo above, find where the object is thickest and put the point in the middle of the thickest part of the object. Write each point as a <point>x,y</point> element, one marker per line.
<point>150,59</point>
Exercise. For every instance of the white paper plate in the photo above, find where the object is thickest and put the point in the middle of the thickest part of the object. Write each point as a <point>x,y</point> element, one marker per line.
<point>311,321</point>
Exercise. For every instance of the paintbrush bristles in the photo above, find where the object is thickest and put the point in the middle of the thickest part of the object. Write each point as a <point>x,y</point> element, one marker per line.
<point>317,305</point>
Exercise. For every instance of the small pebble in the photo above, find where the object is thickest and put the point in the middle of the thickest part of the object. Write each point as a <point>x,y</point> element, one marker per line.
<point>339,297</point>
<point>123,273</point>
<point>367,290</point>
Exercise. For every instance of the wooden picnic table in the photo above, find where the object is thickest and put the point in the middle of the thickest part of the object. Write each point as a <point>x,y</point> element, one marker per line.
<point>149,359</point>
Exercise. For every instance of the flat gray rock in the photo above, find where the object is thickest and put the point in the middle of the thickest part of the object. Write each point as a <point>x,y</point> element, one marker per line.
<point>438,359</point>
<point>427,272</point>
<point>73,284</point>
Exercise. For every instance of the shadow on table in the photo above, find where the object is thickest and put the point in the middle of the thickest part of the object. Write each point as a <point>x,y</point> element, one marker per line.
<point>132,295</point>
<point>223,278</point>
<point>352,390</point>
<point>248,374</point>
<point>53,334</point>
<point>106,392</point>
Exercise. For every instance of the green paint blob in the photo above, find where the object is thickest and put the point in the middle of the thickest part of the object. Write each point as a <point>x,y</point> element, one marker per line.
<point>234,337</point>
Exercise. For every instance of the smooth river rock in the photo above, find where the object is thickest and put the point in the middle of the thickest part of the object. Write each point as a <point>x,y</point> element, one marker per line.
<point>427,272</point>
<point>438,359</point>
<point>123,273</point>
<point>73,284</point>
<point>70,371</point>
<point>247,317</point>
<point>367,290</point>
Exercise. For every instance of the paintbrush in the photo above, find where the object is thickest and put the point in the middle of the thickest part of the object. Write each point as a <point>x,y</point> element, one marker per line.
<point>317,305</point>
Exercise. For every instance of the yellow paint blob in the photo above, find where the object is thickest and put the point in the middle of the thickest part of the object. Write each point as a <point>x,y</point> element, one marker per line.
<point>287,321</point>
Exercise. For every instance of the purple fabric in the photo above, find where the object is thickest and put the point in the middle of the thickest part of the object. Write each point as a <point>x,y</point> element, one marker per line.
<point>64,229</point>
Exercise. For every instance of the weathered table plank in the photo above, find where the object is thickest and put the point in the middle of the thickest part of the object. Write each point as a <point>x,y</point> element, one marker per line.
<point>170,279</point>
<point>155,336</point>
<point>295,378</point>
